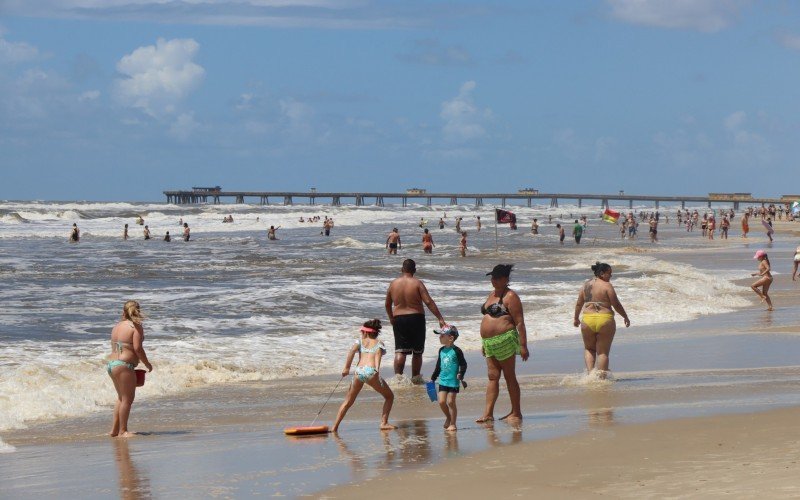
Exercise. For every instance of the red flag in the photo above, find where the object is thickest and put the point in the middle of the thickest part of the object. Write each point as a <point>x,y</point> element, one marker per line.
<point>505,217</point>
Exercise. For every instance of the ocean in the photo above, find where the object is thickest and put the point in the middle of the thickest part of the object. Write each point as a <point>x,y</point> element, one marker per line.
<point>230,306</point>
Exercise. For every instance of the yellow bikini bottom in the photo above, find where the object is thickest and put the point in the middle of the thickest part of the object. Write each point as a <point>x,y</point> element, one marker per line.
<point>595,321</point>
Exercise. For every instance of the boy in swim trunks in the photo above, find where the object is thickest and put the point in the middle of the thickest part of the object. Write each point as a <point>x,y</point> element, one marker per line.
<point>452,366</point>
<point>370,351</point>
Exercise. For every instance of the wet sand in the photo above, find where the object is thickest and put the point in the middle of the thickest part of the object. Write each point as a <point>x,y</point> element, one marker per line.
<point>227,441</point>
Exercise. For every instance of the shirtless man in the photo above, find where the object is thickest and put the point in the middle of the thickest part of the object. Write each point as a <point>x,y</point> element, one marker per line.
<point>393,242</point>
<point>404,300</point>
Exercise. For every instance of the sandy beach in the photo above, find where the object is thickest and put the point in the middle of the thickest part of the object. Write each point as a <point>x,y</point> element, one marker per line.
<point>698,408</point>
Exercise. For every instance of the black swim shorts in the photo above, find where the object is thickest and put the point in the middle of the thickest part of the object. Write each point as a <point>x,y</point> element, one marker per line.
<point>409,333</point>
<point>444,388</point>
<point>392,245</point>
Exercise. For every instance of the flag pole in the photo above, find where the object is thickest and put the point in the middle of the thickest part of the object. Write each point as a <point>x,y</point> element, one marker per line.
<point>495,230</point>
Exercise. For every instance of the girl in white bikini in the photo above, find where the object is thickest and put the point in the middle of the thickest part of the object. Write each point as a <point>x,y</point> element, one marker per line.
<point>765,278</point>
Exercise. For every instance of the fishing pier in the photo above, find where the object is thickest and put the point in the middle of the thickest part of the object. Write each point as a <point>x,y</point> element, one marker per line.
<point>215,196</point>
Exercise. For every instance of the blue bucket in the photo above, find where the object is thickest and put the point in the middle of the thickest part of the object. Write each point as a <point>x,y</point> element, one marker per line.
<point>431,388</point>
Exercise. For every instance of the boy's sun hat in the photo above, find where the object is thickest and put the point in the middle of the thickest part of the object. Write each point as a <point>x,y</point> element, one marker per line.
<point>447,330</point>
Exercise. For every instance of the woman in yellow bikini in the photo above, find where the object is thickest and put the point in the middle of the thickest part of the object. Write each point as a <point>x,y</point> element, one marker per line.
<point>503,338</point>
<point>596,300</point>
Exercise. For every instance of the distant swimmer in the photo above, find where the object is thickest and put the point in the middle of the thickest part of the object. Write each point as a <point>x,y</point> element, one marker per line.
<point>393,242</point>
<point>441,223</point>
<point>458,224</point>
<point>535,227</point>
<point>427,242</point>
<point>764,278</point>
<point>139,220</point>
<point>768,226</point>
<point>404,306</point>
<point>597,301</point>
<point>478,222</point>
<point>561,233</point>
<point>301,219</point>
<point>327,226</point>
<point>462,248</point>
<point>370,351</point>
<point>75,234</point>
<point>180,221</point>
<point>654,230</point>
<point>577,232</point>
<point>167,238</point>
<point>795,263</point>
<point>185,231</point>
<point>125,233</point>
<point>745,224</point>
<point>146,232</point>
<point>127,351</point>
<point>271,232</point>
<point>422,222</point>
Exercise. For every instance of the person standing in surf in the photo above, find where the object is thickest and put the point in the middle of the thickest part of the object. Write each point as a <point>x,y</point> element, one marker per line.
<point>75,234</point>
<point>427,241</point>
<point>503,337</point>
<point>404,307</point>
<point>127,351</point>
<point>597,301</point>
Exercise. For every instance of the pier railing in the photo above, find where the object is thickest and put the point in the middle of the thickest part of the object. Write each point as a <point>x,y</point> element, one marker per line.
<point>379,198</point>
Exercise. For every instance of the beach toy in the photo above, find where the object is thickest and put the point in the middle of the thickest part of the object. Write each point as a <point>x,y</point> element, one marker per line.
<point>431,388</point>
<point>312,429</point>
<point>140,377</point>
<point>307,430</point>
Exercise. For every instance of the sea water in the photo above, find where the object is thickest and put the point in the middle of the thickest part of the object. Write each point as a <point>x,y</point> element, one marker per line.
<point>231,306</point>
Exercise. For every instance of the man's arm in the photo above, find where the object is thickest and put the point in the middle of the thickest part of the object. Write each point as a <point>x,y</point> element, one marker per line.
<point>388,304</point>
<point>428,301</point>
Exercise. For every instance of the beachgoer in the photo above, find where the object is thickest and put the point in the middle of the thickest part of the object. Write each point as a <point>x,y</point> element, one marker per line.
<point>795,263</point>
<point>597,301</point>
<point>180,221</point>
<point>577,232</point>
<point>146,232</point>
<point>770,230</point>
<point>441,223</point>
<point>327,226</point>
<point>765,278</point>
<point>393,242</point>
<point>451,366</point>
<point>370,352</point>
<point>271,232</point>
<point>127,351</point>
<point>561,233</point>
<point>535,227</point>
<point>462,248</point>
<point>167,238</point>
<point>503,336</point>
<point>458,224</point>
<point>75,234</point>
<point>125,233</point>
<point>404,299</point>
<point>745,224</point>
<point>724,226</point>
<point>653,230</point>
<point>185,231</point>
<point>427,242</point>
<point>478,222</point>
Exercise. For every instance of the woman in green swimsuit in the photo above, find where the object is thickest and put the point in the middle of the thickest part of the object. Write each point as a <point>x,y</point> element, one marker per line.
<point>503,336</point>
<point>126,352</point>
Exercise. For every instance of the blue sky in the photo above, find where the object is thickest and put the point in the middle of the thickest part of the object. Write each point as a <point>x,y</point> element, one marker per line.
<point>122,99</point>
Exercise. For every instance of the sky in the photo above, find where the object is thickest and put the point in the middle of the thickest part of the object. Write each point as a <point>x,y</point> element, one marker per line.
<point>122,99</point>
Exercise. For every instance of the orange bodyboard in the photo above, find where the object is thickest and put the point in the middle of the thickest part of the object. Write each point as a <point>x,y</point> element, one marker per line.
<point>304,431</point>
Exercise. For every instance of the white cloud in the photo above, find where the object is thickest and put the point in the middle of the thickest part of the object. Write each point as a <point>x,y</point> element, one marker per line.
<point>708,16</point>
<point>16,52</point>
<point>463,121</point>
<point>183,127</point>
<point>299,116</point>
<point>155,78</point>
<point>789,41</point>
<point>89,95</point>
<point>735,120</point>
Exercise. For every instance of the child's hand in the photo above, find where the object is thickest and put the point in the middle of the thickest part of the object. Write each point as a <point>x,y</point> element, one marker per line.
<point>464,384</point>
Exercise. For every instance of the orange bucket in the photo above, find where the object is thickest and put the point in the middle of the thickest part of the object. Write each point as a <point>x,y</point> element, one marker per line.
<point>140,377</point>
